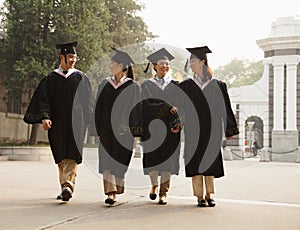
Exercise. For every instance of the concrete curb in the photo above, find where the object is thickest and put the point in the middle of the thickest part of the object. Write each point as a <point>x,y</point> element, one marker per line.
<point>26,153</point>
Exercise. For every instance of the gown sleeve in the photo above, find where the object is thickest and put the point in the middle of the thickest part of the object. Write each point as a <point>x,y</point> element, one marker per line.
<point>89,105</point>
<point>39,108</point>
<point>231,125</point>
<point>89,100</point>
<point>98,110</point>
<point>135,119</point>
<point>181,102</point>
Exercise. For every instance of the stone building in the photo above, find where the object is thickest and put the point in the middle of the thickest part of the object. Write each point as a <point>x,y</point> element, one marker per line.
<point>269,110</point>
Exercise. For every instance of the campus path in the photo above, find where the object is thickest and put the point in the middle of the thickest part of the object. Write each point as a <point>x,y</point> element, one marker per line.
<point>252,195</point>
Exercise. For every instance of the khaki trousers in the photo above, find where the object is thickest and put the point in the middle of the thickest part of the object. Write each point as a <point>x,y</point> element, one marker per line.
<point>112,184</point>
<point>164,181</point>
<point>198,187</point>
<point>67,170</point>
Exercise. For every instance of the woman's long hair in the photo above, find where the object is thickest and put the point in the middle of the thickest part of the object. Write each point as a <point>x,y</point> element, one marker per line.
<point>208,69</point>
<point>130,72</point>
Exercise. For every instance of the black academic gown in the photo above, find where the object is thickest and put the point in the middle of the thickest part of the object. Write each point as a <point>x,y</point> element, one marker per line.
<point>117,122</point>
<point>68,103</point>
<point>202,153</point>
<point>160,152</point>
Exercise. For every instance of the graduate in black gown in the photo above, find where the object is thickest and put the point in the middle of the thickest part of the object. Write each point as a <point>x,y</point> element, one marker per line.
<point>117,123</point>
<point>63,103</point>
<point>204,135</point>
<point>161,143</point>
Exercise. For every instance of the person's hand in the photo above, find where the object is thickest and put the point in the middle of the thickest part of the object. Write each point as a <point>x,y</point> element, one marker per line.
<point>229,138</point>
<point>176,129</point>
<point>174,110</point>
<point>47,124</point>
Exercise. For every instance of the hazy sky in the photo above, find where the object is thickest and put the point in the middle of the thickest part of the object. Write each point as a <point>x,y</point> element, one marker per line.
<point>230,28</point>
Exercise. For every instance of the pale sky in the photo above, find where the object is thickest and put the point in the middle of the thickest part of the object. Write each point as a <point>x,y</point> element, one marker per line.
<point>229,28</point>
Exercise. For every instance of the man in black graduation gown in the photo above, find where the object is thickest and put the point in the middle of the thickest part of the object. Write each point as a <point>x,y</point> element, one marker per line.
<point>204,134</point>
<point>63,103</point>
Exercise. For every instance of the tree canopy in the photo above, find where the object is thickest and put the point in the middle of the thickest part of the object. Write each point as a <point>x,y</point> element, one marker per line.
<point>32,28</point>
<point>240,72</point>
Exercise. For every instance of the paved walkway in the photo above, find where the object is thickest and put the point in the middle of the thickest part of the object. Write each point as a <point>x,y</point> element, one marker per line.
<point>252,195</point>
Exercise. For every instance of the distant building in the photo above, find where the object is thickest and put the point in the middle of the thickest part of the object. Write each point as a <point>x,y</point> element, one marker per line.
<point>269,110</point>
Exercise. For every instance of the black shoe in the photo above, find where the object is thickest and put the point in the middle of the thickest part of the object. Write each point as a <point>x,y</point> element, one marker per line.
<point>162,199</point>
<point>109,201</point>
<point>162,202</point>
<point>202,203</point>
<point>210,202</point>
<point>152,196</point>
<point>66,194</point>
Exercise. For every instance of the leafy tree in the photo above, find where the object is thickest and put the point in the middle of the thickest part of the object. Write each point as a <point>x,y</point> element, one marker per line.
<point>240,72</point>
<point>126,30</point>
<point>125,26</point>
<point>33,27</point>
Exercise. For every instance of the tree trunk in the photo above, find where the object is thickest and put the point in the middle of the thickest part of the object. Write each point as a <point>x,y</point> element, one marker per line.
<point>34,134</point>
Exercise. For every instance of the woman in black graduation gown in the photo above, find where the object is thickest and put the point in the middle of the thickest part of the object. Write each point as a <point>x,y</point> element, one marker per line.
<point>161,148</point>
<point>117,123</point>
<point>209,97</point>
<point>63,103</point>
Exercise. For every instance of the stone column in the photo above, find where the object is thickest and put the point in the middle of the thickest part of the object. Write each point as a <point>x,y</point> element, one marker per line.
<point>285,140</point>
<point>278,97</point>
<point>291,97</point>
<point>265,115</point>
<point>291,132</point>
<point>278,133</point>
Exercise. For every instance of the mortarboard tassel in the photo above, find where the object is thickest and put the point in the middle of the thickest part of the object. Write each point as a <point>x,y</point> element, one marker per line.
<point>186,65</point>
<point>146,70</point>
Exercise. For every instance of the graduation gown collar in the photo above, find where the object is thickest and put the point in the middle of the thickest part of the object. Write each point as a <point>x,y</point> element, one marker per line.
<point>59,70</point>
<point>122,81</point>
<point>167,79</point>
<point>201,86</point>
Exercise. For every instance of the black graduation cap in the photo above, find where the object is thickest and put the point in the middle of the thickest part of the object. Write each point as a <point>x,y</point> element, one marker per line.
<point>161,54</point>
<point>122,57</point>
<point>200,52</point>
<point>67,48</point>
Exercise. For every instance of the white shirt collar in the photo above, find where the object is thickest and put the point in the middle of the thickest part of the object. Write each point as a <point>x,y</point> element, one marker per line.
<point>167,80</point>
<point>121,80</point>
<point>112,81</point>
<point>202,86</point>
<point>60,70</point>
